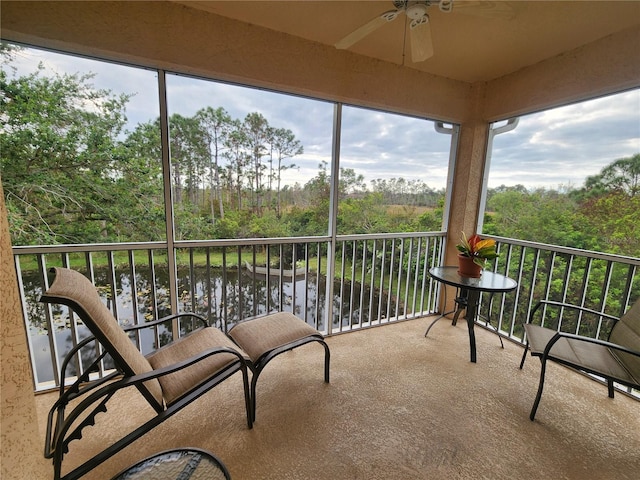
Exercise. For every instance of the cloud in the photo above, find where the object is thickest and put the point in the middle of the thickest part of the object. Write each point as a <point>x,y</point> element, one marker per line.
<point>563,146</point>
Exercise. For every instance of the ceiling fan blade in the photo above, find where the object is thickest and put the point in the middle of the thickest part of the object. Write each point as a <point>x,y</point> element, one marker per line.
<point>421,44</point>
<point>366,29</point>
<point>482,8</point>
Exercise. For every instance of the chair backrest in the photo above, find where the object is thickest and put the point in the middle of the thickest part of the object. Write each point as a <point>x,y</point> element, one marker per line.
<point>626,332</point>
<point>73,289</point>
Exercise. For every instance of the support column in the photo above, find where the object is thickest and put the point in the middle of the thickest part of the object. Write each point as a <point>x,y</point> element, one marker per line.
<point>468,176</point>
<point>20,442</point>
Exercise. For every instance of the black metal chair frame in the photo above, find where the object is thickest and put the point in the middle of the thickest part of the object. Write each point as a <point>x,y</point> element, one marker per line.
<point>547,355</point>
<point>91,396</point>
<point>257,367</point>
<point>66,430</point>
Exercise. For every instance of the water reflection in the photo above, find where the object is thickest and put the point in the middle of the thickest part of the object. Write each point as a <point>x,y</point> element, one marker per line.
<point>222,297</point>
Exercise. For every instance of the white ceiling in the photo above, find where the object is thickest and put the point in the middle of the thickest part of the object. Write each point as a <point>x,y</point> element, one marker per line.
<point>477,41</point>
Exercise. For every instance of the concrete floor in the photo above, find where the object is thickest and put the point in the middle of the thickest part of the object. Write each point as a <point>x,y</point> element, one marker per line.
<point>399,406</point>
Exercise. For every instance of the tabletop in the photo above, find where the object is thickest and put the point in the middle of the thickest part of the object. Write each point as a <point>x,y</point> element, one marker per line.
<point>488,281</point>
<point>184,464</point>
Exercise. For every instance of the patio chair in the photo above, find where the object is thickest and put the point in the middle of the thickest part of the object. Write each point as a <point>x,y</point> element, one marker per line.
<point>169,379</point>
<point>616,360</point>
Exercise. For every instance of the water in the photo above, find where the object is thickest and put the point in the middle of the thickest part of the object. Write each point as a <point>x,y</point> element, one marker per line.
<point>223,298</point>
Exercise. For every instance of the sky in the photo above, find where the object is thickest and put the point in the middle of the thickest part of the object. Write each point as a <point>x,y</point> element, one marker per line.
<point>554,149</point>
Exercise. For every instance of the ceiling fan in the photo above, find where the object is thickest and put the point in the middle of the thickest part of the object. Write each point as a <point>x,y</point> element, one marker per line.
<point>419,24</point>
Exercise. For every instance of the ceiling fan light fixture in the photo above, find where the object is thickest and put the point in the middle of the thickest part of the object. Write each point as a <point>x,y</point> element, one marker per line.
<point>416,10</point>
<point>419,21</point>
<point>446,6</point>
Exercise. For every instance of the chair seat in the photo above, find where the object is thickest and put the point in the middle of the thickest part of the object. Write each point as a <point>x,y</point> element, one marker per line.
<point>174,385</point>
<point>260,336</point>
<point>589,356</point>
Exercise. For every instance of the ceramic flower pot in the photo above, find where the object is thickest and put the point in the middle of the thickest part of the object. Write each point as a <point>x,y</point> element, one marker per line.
<point>467,268</point>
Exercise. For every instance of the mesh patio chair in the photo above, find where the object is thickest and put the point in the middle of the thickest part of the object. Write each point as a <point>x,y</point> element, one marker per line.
<point>616,359</point>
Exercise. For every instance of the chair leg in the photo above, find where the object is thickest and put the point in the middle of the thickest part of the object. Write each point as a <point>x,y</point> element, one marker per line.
<point>539,394</point>
<point>254,381</point>
<point>247,398</point>
<point>524,355</point>
<point>610,387</point>
<point>257,369</point>
<point>327,359</point>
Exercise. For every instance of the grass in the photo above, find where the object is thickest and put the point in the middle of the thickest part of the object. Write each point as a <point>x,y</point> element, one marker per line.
<point>77,261</point>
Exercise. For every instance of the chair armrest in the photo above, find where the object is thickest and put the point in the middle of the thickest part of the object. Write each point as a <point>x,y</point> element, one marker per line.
<point>568,322</point>
<point>84,376</point>
<point>143,377</point>
<point>569,307</point>
<point>166,319</point>
<point>69,356</point>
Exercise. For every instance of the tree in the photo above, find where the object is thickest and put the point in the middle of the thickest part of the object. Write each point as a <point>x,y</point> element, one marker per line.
<point>237,160</point>
<point>351,182</point>
<point>622,175</point>
<point>216,126</point>
<point>142,218</point>
<point>615,217</point>
<point>362,215</point>
<point>257,135</point>
<point>59,157</point>
<point>542,215</point>
<point>188,152</point>
<point>286,146</point>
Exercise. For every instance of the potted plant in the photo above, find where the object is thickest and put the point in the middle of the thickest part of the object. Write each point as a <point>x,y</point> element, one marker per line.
<point>474,253</point>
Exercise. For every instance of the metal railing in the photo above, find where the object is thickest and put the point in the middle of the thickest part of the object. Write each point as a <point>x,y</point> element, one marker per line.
<point>603,282</point>
<point>375,279</point>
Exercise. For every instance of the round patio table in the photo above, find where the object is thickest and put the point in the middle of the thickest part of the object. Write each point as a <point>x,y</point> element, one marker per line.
<point>182,464</point>
<point>470,288</point>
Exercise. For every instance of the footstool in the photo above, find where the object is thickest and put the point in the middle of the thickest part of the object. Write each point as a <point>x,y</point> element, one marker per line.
<point>263,338</point>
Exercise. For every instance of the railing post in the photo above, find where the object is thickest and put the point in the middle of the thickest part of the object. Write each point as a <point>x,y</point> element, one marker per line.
<point>168,197</point>
<point>333,213</point>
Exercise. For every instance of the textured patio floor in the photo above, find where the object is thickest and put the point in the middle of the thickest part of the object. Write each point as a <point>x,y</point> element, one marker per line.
<point>399,406</point>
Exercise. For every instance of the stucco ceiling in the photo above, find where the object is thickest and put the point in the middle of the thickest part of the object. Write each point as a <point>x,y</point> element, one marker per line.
<point>477,41</point>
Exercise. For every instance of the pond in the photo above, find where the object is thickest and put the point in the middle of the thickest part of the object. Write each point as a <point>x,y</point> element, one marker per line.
<point>222,297</point>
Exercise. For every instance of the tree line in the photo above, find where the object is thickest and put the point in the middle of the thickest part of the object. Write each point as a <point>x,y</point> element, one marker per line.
<point>71,173</point>
<point>601,215</point>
